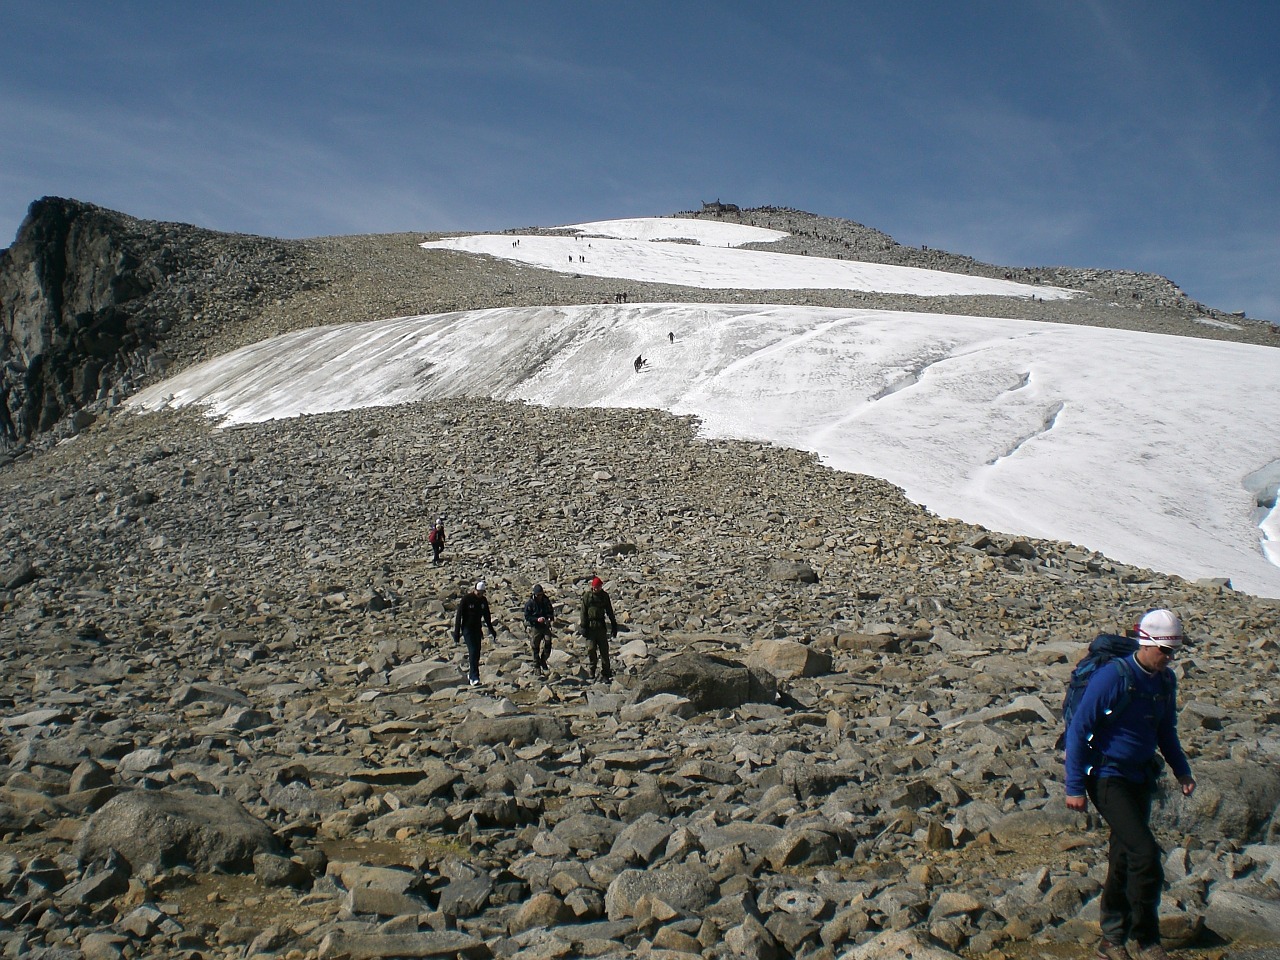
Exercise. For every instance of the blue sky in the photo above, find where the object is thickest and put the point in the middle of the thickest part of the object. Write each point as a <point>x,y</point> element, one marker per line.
<point>1131,135</point>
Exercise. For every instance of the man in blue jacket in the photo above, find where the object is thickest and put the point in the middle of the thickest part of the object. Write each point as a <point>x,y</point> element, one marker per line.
<point>1126,713</point>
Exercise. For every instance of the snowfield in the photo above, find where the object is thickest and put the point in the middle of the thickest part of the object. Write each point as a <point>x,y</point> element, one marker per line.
<point>640,255</point>
<point>712,233</point>
<point>1152,449</point>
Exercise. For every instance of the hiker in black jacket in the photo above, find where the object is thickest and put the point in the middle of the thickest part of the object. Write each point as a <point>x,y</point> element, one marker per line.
<point>539,615</point>
<point>472,615</point>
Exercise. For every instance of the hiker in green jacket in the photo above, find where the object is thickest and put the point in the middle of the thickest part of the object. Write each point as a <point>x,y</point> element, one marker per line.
<point>598,624</point>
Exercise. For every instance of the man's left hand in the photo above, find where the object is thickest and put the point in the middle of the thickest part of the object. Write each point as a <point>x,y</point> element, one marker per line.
<point>1188,785</point>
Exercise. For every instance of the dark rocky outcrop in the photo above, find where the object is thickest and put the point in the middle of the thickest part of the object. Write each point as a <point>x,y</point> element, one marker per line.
<point>88,295</point>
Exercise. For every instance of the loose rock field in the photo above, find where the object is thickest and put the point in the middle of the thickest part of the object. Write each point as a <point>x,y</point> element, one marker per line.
<point>251,616</point>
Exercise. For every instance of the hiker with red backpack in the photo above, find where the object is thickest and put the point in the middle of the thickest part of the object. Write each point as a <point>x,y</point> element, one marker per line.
<point>1120,709</point>
<point>436,539</point>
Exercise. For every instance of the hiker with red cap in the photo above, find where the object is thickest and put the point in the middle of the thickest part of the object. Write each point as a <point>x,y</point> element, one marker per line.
<point>598,624</point>
<point>1127,712</point>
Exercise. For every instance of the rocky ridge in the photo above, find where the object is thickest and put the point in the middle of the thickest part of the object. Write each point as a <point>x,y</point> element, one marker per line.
<point>95,303</point>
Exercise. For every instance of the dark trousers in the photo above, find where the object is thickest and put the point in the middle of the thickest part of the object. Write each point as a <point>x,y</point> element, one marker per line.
<point>598,649</point>
<point>540,641</point>
<point>472,639</point>
<point>1130,902</point>
<point>436,550</point>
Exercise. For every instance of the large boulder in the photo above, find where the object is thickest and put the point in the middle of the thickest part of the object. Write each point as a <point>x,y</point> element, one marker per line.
<point>709,683</point>
<point>787,659</point>
<point>685,888</point>
<point>1234,799</point>
<point>520,729</point>
<point>171,828</point>
<point>1250,915</point>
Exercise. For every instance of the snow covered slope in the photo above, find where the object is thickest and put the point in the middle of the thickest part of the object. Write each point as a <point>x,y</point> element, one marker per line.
<point>713,262</point>
<point>1023,427</point>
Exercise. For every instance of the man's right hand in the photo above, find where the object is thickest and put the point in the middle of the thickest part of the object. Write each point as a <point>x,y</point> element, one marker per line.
<point>1077,804</point>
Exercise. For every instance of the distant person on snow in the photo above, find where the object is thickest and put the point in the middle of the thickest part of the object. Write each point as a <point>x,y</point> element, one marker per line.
<point>436,539</point>
<point>539,615</point>
<point>640,362</point>
<point>472,615</point>
<point>598,624</point>
<point>671,337</point>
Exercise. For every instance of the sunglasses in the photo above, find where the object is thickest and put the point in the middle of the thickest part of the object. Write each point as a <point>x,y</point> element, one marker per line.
<point>1169,652</point>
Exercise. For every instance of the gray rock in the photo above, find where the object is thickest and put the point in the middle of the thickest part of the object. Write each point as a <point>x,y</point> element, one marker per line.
<point>98,886</point>
<point>518,729</point>
<point>273,870</point>
<point>343,945</point>
<point>1233,799</point>
<point>466,896</point>
<point>685,888</point>
<point>710,683</point>
<point>899,945</point>
<point>587,832</point>
<point>1252,916</point>
<point>787,659</point>
<point>790,570</point>
<point>168,828</point>
<point>384,903</point>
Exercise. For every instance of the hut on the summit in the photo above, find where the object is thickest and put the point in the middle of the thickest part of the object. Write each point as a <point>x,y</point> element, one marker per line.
<point>716,207</point>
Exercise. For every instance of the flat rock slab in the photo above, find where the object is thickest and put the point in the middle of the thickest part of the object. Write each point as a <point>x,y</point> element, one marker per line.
<point>373,946</point>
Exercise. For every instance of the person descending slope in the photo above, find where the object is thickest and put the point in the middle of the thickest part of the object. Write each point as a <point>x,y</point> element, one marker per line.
<point>598,624</point>
<point>1127,713</point>
<point>539,615</point>
<point>472,615</point>
<point>436,539</point>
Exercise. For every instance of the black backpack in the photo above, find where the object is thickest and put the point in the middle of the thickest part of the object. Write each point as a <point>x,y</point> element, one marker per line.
<point>1106,648</point>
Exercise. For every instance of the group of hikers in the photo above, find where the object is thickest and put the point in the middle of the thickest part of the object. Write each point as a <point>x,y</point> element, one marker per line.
<point>1120,710</point>
<point>597,624</point>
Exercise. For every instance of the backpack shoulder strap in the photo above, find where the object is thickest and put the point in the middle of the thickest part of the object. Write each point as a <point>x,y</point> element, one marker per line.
<point>1126,690</point>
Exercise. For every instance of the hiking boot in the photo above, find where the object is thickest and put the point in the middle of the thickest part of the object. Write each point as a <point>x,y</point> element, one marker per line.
<point>474,682</point>
<point>1113,951</point>
<point>1152,951</point>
